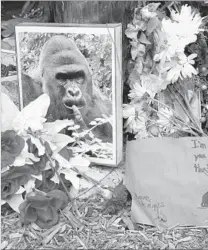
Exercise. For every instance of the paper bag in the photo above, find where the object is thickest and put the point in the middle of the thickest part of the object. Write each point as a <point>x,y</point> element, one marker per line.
<point>168,181</point>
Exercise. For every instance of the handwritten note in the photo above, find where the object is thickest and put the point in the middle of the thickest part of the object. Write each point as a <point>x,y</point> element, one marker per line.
<point>168,177</point>
<point>200,152</point>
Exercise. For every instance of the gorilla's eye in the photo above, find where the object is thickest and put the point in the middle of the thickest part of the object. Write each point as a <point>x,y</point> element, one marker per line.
<point>61,76</point>
<point>79,80</point>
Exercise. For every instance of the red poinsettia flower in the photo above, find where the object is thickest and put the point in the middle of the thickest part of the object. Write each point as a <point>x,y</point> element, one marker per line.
<point>43,210</point>
<point>12,179</point>
<point>11,146</point>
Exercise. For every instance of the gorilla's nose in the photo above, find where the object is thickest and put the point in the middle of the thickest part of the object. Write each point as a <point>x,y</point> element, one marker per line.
<point>73,93</point>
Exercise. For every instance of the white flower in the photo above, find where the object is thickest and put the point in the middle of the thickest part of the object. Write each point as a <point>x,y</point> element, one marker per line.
<point>165,117</point>
<point>187,16</point>
<point>146,14</point>
<point>150,84</point>
<point>136,120</point>
<point>181,67</point>
<point>182,29</point>
<point>149,11</point>
<point>163,50</point>
<point>187,62</point>
<point>141,129</point>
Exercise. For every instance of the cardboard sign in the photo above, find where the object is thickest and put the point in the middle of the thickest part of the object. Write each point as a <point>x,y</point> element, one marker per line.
<point>168,180</point>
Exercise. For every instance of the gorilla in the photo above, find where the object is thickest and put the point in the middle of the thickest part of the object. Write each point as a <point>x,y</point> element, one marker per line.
<point>64,74</point>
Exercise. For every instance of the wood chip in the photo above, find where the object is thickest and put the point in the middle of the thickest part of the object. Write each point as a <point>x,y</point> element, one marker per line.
<point>51,235</point>
<point>164,247</point>
<point>49,231</point>
<point>81,242</point>
<point>171,245</point>
<point>128,222</point>
<point>189,238</point>
<point>4,244</point>
<point>143,235</point>
<point>35,227</point>
<point>15,235</point>
<point>73,221</point>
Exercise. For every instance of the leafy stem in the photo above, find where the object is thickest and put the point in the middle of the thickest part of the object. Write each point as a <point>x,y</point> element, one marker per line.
<point>52,164</point>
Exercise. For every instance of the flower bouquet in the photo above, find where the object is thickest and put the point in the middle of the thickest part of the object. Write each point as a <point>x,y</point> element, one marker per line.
<point>167,99</point>
<point>37,176</point>
<point>166,79</point>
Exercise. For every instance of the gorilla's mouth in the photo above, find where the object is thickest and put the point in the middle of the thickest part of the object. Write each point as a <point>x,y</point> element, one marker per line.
<point>69,102</point>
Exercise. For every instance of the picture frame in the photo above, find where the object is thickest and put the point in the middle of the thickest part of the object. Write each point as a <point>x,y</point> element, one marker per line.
<point>48,63</point>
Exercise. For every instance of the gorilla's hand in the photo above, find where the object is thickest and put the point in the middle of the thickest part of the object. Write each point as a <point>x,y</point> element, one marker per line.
<point>78,117</point>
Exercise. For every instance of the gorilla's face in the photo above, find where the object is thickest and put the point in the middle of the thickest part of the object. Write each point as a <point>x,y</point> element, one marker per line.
<point>73,86</point>
<point>65,88</point>
<point>65,77</point>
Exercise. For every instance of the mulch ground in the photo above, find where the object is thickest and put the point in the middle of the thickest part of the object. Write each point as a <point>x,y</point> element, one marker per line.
<point>86,226</point>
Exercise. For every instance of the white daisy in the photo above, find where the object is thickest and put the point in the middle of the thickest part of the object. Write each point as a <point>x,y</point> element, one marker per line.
<point>181,67</point>
<point>135,119</point>
<point>149,84</point>
<point>165,117</point>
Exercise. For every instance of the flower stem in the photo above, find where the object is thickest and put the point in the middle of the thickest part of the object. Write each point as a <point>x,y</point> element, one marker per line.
<point>53,167</point>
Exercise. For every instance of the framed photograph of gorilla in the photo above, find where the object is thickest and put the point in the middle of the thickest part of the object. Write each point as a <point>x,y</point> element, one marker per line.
<point>80,68</point>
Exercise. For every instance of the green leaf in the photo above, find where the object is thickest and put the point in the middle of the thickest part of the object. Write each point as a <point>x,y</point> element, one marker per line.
<point>55,127</point>
<point>5,45</point>
<point>132,31</point>
<point>3,202</point>
<point>15,201</point>
<point>134,49</point>
<point>55,179</point>
<point>152,24</point>
<point>38,144</point>
<point>61,161</point>
<point>20,190</point>
<point>81,163</point>
<point>30,185</point>
<point>66,153</point>
<point>7,32</point>
<point>71,176</point>
<point>48,148</point>
<point>33,115</point>
<point>8,112</point>
<point>143,39</point>
<point>61,141</point>
<point>25,158</point>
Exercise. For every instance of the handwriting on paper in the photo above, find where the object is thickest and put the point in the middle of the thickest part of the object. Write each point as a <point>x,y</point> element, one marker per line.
<point>200,153</point>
